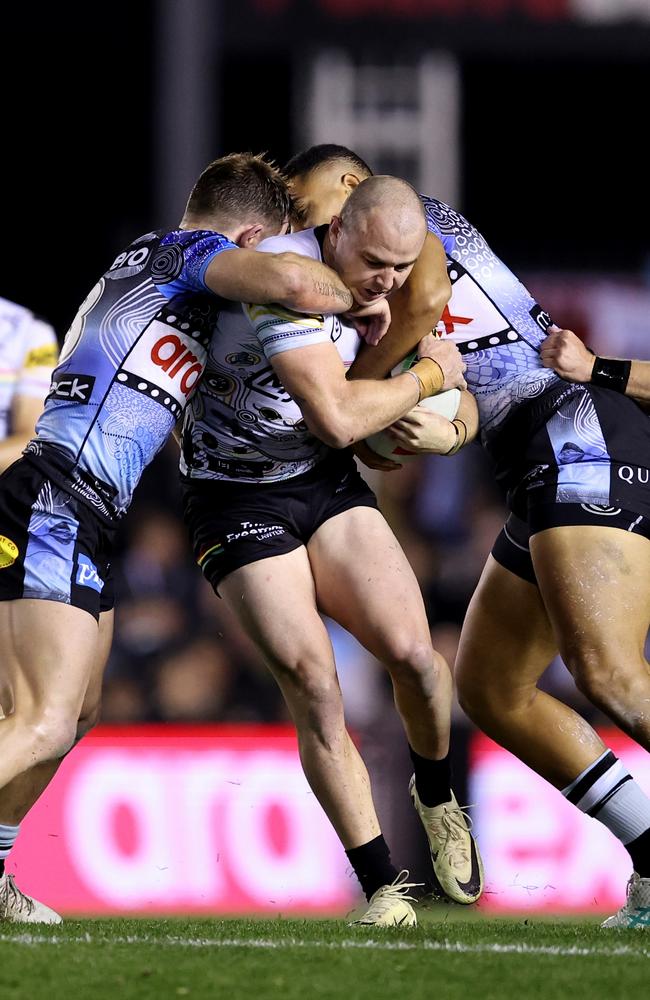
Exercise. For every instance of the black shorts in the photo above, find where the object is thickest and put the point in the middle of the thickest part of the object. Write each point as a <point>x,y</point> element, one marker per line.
<point>234,524</point>
<point>512,547</point>
<point>578,455</point>
<point>52,546</point>
<point>576,444</point>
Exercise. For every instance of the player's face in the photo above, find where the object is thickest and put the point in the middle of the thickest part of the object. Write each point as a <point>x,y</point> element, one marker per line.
<point>372,258</point>
<point>318,196</point>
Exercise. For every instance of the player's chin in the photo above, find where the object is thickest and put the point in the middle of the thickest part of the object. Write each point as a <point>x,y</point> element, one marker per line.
<point>369,297</point>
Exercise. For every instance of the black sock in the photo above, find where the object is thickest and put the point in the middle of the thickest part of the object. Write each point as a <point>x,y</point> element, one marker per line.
<point>432,779</point>
<point>372,865</point>
<point>639,851</point>
<point>2,867</point>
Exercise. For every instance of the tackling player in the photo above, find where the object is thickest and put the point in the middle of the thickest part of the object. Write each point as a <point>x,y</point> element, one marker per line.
<point>284,528</point>
<point>570,568</point>
<point>132,358</point>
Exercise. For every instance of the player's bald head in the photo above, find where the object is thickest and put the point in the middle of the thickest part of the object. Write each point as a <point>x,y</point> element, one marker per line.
<point>375,240</point>
<point>387,201</point>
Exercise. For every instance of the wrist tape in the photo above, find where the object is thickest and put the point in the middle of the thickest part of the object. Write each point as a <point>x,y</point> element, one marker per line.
<point>611,373</point>
<point>429,375</point>
<point>461,436</point>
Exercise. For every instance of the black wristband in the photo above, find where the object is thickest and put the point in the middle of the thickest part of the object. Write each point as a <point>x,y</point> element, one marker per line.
<point>611,373</point>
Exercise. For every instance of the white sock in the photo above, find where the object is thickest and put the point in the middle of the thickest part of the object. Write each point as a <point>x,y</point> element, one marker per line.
<point>607,791</point>
<point>8,835</point>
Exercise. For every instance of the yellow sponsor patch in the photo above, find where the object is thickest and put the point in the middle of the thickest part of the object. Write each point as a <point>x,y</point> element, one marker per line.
<point>41,357</point>
<point>8,552</point>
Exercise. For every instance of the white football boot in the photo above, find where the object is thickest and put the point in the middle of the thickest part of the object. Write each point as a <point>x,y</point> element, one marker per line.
<point>390,906</point>
<point>18,908</point>
<point>454,854</point>
<point>635,912</point>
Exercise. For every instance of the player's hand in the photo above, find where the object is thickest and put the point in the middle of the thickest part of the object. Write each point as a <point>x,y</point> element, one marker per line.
<point>422,431</point>
<point>566,353</point>
<point>448,357</point>
<point>371,321</point>
<point>372,459</point>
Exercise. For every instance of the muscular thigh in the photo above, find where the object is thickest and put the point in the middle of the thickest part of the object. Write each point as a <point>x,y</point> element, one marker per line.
<point>506,641</point>
<point>595,583</point>
<point>49,649</point>
<point>364,581</point>
<point>275,601</point>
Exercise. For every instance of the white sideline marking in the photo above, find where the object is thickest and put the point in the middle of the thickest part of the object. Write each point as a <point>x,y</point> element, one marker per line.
<point>622,951</point>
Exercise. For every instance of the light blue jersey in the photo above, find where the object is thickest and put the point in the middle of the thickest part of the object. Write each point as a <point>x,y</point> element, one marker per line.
<point>493,318</point>
<point>130,361</point>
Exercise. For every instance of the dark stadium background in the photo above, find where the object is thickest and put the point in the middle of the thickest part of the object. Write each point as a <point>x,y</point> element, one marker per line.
<point>99,147</point>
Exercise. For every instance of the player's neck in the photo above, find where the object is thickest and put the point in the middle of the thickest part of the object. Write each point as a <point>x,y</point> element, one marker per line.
<point>328,250</point>
<point>208,224</point>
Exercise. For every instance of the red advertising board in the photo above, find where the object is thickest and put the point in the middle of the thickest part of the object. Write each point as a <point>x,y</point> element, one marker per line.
<point>165,819</point>
<point>540,852</point>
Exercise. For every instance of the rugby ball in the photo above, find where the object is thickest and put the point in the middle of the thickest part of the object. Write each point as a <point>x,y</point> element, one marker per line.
<point>445,403</point>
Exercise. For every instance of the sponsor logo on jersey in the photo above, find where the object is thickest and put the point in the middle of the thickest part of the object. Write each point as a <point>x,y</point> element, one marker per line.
<point>8,552</point>
<point>130,262</point>
<point>268,384</point>
<point>634,474</point>
<point>541,317</point>
<point>470,315</point>
<point>600,509</point>
<point>243,358</point>
<point>72,386</point>
<point>40,357</point>
<point>87,575</point>
<point>169,359</point>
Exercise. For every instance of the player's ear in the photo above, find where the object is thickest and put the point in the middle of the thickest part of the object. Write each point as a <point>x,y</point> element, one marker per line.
<point>250,237</point>
<point>349,182</point>
<point>335,230</point>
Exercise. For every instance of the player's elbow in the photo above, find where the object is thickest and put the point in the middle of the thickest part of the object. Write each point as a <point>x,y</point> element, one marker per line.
<point>437,298</point>
<point>294,286</point>
<point>332,430</point>
<point>430,301</point>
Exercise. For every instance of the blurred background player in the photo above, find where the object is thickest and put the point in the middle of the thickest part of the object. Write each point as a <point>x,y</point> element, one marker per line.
<point>285,529</point>
<point>571,561</point>
<point>28,353</point>
<point>130,360</point>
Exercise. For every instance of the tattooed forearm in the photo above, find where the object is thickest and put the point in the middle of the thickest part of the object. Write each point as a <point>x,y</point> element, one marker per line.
<point>339,292</point>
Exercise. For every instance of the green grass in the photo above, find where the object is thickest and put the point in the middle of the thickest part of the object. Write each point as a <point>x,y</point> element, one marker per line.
<point>443,959</point>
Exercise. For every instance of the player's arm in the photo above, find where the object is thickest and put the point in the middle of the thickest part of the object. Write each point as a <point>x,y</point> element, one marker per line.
<point>339,411</point>
<point>426,432</point>
<point>296,282</point>
<point>415,308</point>
<point>568,356</point>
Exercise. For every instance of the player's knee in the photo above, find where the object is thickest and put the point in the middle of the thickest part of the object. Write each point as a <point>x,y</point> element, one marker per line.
<point>597,674</point>
<point>412,660</point>
<point>316,703</point>
<point>485,700</point>
<point>53,733</point>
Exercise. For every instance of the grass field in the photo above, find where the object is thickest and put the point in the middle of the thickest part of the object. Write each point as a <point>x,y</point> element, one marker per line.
<point>443,959</point>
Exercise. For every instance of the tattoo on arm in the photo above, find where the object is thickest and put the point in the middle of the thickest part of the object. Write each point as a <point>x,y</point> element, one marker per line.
<point>341,293</point>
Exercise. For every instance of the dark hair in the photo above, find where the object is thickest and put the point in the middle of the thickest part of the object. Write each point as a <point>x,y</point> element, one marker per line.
<point>316,156</point>
<point>241,186</point>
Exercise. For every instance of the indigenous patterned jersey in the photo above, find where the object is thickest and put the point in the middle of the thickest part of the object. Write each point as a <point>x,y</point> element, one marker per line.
<point>134,353</point>
<point>28,353</point>
<point>241,423</point>
<point>493,318</point>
